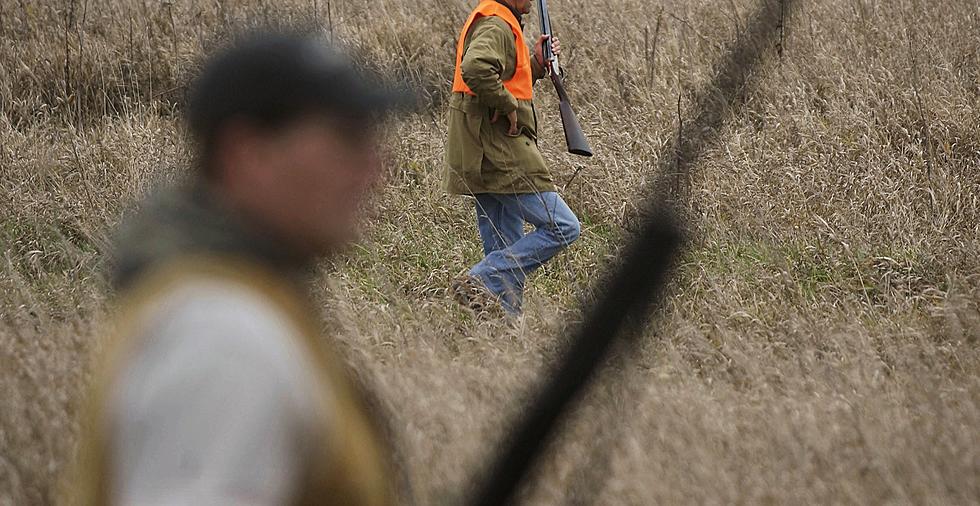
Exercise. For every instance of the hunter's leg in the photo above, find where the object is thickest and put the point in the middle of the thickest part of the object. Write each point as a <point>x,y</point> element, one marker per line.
<point>553,220</point>
<point>499,225</point>
<point>504,271</point>
<point>487,209</point>
<point>555,228</point>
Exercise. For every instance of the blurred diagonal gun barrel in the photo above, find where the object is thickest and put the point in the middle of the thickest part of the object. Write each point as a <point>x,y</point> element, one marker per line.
<point>574,137</point>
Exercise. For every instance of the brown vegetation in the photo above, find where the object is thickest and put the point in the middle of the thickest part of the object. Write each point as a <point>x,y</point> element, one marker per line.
<point>820,343</point>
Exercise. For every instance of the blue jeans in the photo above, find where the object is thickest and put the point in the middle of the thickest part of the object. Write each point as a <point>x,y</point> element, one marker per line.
<point>510,255</point>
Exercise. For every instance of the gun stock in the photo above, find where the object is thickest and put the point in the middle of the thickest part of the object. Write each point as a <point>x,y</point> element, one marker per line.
<point>574,137</point>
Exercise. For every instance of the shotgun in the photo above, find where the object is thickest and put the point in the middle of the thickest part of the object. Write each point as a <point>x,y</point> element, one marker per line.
<point>574,138</point>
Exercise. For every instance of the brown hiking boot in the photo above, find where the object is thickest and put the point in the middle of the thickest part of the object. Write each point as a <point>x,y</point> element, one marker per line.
<point>470,292</point>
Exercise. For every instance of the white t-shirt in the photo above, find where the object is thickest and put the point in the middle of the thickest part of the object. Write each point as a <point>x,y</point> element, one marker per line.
<point>216,407</point>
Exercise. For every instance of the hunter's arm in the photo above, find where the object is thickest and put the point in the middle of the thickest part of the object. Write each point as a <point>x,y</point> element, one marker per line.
<point>491,47</point>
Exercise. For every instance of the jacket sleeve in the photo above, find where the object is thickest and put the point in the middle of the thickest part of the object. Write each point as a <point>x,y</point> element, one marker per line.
<point>490,48</point>
<point>537,70</point>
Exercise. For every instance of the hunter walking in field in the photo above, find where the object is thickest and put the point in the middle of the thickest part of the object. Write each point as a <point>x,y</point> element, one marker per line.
<point>217,388</point>
<point>492,155</point>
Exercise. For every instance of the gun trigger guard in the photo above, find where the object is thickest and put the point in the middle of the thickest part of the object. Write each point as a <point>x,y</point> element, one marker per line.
<point>561,73</point>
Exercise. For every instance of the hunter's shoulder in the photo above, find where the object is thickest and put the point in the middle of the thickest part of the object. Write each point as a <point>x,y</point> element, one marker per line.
<point>492,26</point>
<point>221,312</point>
<point>217,324</point>
<point>496,22</point>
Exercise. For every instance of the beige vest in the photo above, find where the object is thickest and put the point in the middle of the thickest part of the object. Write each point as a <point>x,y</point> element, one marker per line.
<point>349,469</point>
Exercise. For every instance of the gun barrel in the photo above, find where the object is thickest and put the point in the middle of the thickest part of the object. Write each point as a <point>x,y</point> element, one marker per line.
<point>546,30</point>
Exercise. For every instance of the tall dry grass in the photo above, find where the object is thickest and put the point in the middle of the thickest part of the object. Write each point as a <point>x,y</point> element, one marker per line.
<point>820,343</point>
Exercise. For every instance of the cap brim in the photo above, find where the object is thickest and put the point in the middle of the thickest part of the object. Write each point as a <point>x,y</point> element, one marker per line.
<point>381,100</point>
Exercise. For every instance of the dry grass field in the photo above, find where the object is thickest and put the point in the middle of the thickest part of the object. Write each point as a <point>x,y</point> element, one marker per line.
<point>820,339</point>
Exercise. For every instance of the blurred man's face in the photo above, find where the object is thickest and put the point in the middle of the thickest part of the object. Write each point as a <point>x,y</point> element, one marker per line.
<point>522,6</point>
<point>305,181</point>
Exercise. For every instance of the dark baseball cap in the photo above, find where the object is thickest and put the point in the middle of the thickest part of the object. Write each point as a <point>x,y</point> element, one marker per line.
<point>272,78</point>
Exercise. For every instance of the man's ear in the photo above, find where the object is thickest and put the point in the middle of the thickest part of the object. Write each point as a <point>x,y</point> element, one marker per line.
<point>235,150</point>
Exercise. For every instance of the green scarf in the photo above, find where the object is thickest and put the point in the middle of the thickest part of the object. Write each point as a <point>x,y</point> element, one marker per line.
<point>194,220</point>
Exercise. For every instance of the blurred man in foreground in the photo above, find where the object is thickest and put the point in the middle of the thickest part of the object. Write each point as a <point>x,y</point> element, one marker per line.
<point>217,389</point>
<point>492,154</point>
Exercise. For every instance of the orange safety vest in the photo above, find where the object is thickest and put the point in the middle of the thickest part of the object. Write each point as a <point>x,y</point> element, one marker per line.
<point>521,83</point>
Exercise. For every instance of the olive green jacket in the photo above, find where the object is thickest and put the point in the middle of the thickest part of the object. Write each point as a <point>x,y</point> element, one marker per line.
<point>480,156</point>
